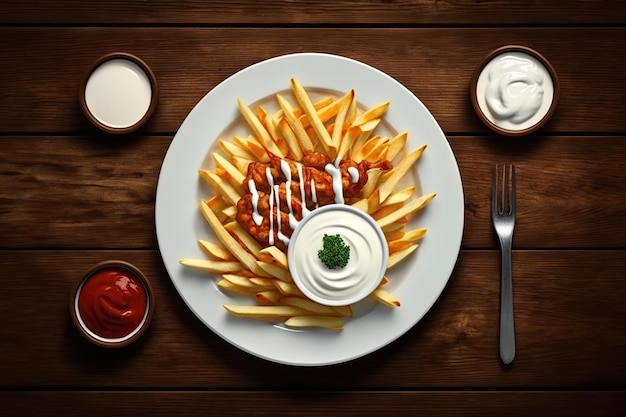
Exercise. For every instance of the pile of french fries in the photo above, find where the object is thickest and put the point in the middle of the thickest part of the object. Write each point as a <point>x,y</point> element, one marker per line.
<point>338,128</point>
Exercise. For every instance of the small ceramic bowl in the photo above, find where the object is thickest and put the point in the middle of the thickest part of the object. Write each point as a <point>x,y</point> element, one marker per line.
<point>112,304</point>
<point>321,266</point>
<point>119,93</point>
<point>514,90</point>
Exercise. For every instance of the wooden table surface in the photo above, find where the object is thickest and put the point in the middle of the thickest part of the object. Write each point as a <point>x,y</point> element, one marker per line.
<point>71,197</point>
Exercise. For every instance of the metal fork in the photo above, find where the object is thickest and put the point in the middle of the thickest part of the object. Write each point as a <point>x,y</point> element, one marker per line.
<point>503,217</point>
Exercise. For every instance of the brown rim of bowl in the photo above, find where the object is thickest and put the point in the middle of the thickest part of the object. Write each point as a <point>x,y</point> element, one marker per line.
<point>149,306</point>
<point>153,100</point>
<point>538,56</point>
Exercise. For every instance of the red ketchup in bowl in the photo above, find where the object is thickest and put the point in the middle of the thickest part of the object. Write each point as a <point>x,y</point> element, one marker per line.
<point>112,302</point>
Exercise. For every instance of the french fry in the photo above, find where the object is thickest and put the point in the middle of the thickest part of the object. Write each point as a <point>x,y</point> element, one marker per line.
<point>320,322</point>
<point>307,106</point>
<point>319,105</point>
<point>264,312</point>
<point>296,126</point>
<point>308,305</point>
<point>245,257</point>
<point>325,110</point>
<point>366,131</point>
<point>398,246</point>
<point>215,251</point>
<point>275,270</point>
<point>242,163</point>
<point>257,127</point>
<point>383,296</point>
<point>226,285</point>
<point>233,149</point>
<point>208,265</point>
<point>269,125</point>
<point>398,224</point>
<point>229,212</point>
<point>347,142</point>
<point>372,114</point>
<point>288,288</point>
<point>269,296</point>
<point>343,311</point>
<point>263,282</point>
<point>248,241</point>
<point>295,151</point>
<point>217,204</point>
<point>367,148</point>
<point>387,210</point>
<point>398,196</point>
<point>396,145</point>
<point>406,209</point>
<point>361,205</point>
<point>340,118</point>
<point>400,171</point>
<point>243,281</point>
<point>373,176</point>
<point>415,234</point>
<point>398,257</point>
<point>223,188</point>
<point>394,235</point>
<point>272,254</point>
<point>234,176</point>
<point>258,150</point>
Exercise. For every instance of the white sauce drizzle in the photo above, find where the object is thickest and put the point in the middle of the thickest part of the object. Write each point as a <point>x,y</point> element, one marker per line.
<point>335,173</point>
<point>258,219</point>
<point>354,174</point>
<point>279,232</point>
<point>270,181</point>
<point>286,170</point>
<point>274,196</point>
<point>305,210</point>
<point>314,193</point>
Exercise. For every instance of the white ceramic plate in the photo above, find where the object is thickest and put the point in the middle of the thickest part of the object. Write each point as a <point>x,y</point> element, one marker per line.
<point>417,283</point>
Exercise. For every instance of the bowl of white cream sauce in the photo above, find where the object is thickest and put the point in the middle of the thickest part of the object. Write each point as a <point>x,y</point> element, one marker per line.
<point>119,93</point>
<point>515,90</point>
<point>366,265</point>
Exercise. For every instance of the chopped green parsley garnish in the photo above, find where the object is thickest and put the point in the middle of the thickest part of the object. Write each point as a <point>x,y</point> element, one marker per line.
<point>335,253</point>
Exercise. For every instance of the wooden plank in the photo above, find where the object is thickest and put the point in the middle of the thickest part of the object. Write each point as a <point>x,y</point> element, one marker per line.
<point>42,97</point>
<point>568,189</point>
<point>321,403</point>
<point>569,320</point>
<point>407,12</point>
<point>98,192</point>
<point>93,192</point>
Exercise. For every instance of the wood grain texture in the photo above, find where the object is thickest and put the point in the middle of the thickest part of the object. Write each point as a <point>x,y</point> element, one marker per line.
<point>321,403</point>
<point>436,64</point>
<point>567,322</point>
<point>325,12</point>
<point>98,192</point>
<point>71,197</point>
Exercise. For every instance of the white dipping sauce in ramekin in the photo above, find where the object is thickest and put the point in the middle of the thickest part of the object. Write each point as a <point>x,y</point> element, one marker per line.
<point>365,268</point>
<point>514,91</point>
<point>118,93</point>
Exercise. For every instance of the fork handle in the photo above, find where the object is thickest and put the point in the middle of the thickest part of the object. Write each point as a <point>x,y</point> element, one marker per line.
<point>507,326</point>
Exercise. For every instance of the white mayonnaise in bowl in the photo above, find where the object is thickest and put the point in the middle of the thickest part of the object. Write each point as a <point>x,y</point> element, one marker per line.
<point>514,90</point>
<point>366,264</point>
<point>118,93</point>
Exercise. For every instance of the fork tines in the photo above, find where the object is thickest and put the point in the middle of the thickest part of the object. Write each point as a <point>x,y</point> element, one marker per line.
<point>505,204</point>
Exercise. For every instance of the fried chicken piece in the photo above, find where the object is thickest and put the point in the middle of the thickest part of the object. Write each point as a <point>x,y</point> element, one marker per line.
<point>314,168</point>
<point>261,232</point>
